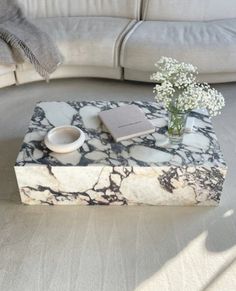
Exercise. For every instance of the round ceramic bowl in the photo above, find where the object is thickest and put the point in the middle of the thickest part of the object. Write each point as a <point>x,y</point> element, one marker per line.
<point>64,139</point>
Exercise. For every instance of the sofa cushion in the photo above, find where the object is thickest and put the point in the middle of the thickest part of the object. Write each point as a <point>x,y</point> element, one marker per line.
<point>87,41</point>
<point>7,66</point>
<point>133,75</point>
<point>209,45</point>
<point>188,9</point>
<point>30,75</point>
<point>5,69</point>
<point>7,79</point>
<point>55,8</point>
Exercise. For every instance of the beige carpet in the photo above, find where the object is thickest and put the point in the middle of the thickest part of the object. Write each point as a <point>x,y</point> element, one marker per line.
<point>111,248</point>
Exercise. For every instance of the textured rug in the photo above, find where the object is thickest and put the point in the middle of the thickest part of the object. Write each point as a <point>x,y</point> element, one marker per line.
<point>111,248</point>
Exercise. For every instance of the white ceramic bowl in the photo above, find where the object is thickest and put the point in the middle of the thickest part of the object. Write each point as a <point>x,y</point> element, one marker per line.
<point>64,139</point>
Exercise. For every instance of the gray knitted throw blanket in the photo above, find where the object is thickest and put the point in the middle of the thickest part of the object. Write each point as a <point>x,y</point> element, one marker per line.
<point>22,41</point>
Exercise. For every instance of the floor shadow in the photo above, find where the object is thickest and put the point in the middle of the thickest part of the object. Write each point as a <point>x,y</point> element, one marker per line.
<point>9,150</point>
<point>221,232</point>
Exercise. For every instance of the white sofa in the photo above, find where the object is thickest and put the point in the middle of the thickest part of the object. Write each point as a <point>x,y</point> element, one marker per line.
<point>124,38</point>
<point>202,32</point>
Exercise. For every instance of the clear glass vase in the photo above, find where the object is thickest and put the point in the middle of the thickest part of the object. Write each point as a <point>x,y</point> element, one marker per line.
<point>176,126</point>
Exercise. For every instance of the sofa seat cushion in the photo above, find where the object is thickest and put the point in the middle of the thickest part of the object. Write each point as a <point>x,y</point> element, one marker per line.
<point>209,45</point>
<point>86,41</point>
<point>5,69</point>
<point>7,75</point>
<point>30,75</point>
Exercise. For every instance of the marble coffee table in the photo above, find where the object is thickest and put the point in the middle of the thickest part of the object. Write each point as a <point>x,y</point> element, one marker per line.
<point>137,171</point>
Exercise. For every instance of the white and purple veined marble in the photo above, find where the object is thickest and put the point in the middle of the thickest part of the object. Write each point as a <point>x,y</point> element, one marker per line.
<point>142,170</point>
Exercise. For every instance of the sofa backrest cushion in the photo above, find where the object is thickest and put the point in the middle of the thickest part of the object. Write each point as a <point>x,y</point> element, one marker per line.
<point>184,10</point>
<point>56,8</point>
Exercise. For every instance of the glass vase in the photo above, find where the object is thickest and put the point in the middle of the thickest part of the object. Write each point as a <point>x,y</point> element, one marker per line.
<point>176,126</point>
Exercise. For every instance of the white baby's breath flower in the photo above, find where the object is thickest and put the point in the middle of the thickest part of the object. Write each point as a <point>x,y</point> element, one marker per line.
<point>177,87</point>
<point>179,74</point>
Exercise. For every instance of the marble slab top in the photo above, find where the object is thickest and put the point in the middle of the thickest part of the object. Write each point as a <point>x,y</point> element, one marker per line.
<point>199,147</point>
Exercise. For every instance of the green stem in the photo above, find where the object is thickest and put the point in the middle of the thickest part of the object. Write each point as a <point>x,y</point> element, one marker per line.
<point>176,122</point>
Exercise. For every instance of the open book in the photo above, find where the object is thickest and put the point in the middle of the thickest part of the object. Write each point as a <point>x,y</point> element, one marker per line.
<point>126,122</point>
